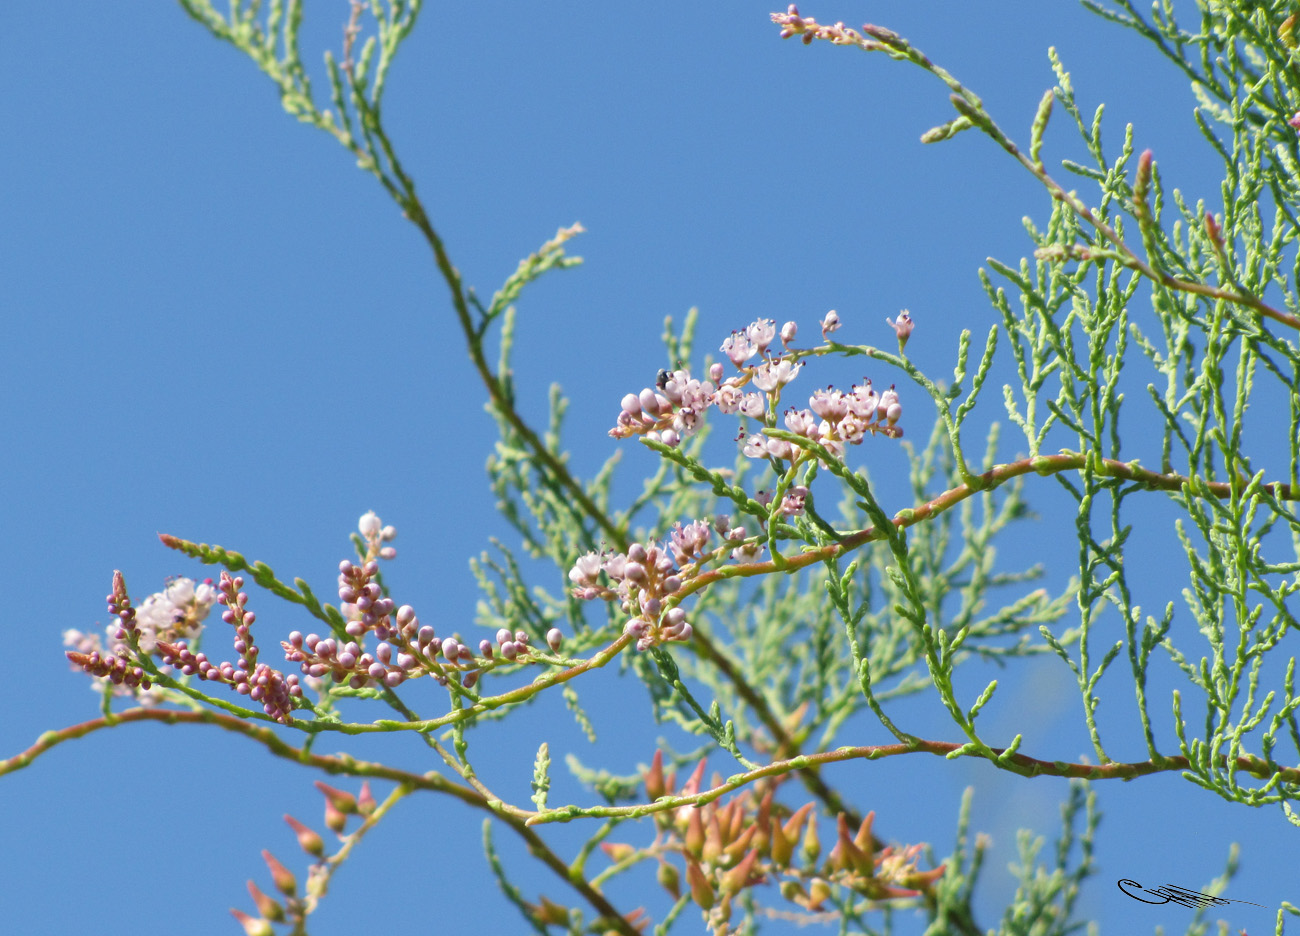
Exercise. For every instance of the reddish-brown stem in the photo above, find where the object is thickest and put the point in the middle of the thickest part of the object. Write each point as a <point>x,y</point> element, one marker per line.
<point>1019,763</point>
<point>335,765</point>
<point>994,477</point>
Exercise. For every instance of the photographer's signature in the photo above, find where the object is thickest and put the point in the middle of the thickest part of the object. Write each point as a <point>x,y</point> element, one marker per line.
<point>1171,893</point>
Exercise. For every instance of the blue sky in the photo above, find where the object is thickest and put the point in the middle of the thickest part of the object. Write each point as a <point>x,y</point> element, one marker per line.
<point>217,327</point>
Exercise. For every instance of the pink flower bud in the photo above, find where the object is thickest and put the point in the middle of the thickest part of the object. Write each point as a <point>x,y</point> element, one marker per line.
<point>253,926</point>
<point>335,821</point>
<point>284,880</point>
<point>343,801</point>
<point>308,839</point>
<point>649,401</point>
<point>268,907</point>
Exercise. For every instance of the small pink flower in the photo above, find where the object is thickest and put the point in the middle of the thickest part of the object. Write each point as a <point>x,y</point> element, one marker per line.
<point>751,405</point>
<point>788,332</point>
<point>829,404</point>
<point>761,333</point>
<point>802,422</point>
<point>585,570</point>
<point>737,349</point>
<point>792,505</point>
<point>830,323</point>
<point>852,428</point>
<point>862,401</point>
<point>728,398</point>
<point>772,374</point>
<point>902,328</point>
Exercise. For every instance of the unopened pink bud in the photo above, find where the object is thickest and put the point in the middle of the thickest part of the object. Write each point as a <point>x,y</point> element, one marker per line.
<point>554,639</point>
<point>267,906</point>
<point>253,926</point>
<point>284,880</point>
<point>308,839</point>
<point>365,799</point>
<point>343,801</point>
<point>335,821</point>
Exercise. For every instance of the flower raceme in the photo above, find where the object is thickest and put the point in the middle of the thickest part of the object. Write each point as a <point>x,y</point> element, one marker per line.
<point>169,626</point>
<point>674,408</point>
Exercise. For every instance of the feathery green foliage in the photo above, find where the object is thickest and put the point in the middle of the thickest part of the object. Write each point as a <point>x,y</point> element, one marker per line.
<point>821,607</point>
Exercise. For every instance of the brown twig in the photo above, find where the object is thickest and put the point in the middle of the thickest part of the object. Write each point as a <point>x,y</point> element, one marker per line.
<point>341,764</point>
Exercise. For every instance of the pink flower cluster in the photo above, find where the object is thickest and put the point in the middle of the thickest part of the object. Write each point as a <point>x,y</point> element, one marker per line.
<point>246,676</point>
<point>836,418</point>
<point>675,408</point>
<point>642,579</point>
<point>808,29</point>
<point>406,648</point>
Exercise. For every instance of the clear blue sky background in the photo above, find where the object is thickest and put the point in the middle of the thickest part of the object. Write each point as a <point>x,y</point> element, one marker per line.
<point>216,326</point>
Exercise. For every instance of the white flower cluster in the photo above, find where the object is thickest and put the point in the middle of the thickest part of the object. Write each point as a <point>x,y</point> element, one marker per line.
<point>175,613</point>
